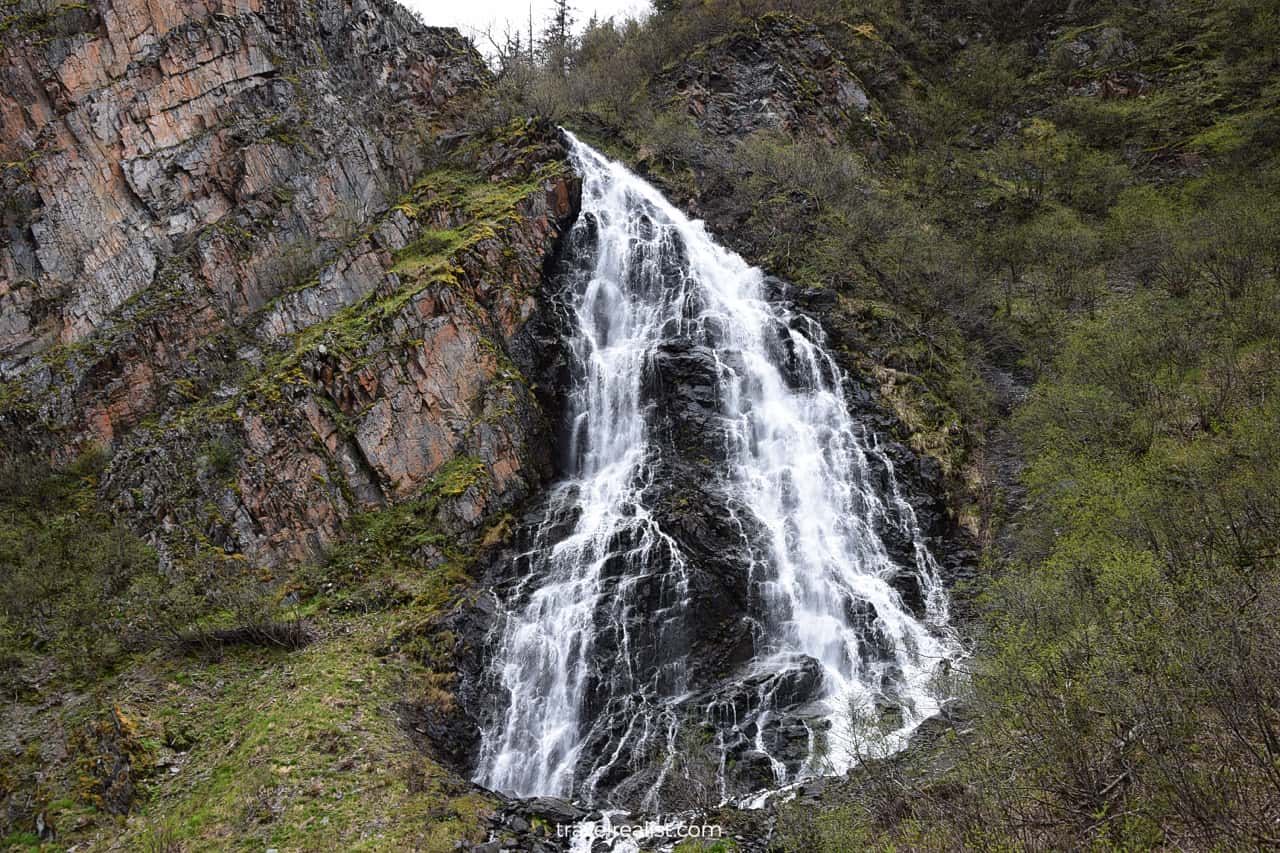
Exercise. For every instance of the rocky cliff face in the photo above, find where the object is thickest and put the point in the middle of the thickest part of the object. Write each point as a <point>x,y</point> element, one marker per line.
<point>251,247</point>
<point>132,128</point>
<point>780,74</point>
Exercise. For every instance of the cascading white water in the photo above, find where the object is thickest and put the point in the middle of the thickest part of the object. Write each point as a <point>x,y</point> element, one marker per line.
<point>576,665</point>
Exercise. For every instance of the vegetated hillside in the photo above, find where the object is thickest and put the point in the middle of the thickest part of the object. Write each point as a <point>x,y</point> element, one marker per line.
<point>1076,202</point>
<point>241,241</point>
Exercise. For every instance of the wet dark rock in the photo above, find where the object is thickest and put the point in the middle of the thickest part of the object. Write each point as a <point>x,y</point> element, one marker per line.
<point>537,825</point>
<point>113,756</point>
<point>907,584</point>
<point>441,731</point>
<point>554,809</point>
<point>813,789</point>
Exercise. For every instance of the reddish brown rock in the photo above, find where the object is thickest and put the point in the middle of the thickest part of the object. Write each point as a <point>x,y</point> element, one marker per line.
<point>199,267</point>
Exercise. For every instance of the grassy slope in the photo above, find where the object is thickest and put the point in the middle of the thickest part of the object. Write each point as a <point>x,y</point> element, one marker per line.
<point>297,750</point>
<point>242,746</point>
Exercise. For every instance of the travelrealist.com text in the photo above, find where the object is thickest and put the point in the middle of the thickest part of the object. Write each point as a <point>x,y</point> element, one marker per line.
<point>650,829</point>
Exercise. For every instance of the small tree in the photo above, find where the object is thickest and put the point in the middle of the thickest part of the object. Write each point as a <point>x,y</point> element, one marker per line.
<point>557,37</point>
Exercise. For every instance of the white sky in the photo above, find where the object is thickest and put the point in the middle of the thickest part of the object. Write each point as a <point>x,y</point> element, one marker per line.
<point>473,16</point>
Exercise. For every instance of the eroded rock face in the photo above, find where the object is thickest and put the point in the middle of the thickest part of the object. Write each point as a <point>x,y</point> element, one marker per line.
<point>252,247</point>
<point>138,126</point>
<point>374,394</point>
<point>779,74</point>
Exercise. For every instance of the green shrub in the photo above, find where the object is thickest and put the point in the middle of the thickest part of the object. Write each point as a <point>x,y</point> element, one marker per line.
<point>68,565</point>
<point>989,77</point>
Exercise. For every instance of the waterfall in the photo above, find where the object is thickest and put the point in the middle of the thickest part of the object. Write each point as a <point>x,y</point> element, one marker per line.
<point>597,670</point>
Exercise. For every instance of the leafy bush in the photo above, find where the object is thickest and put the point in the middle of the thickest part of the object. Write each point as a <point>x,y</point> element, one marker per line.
<point>1128,669</point>
<point>989,77</point>
<point>67,565</point>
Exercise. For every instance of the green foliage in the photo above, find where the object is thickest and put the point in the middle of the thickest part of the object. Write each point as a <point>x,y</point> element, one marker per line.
<point>427,250</point>
<point>45,19</point>
<point>812,210</point>
<point>1127,668</point>
<point>296,750</point>
<point>1124,696</point>
<point>989,77</point>
<point>1044,163</point>
<point>221,455</point>
<point>283,731</point>
<point>379,562</point>
<point>80,591</point>
<point>68,568</point>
